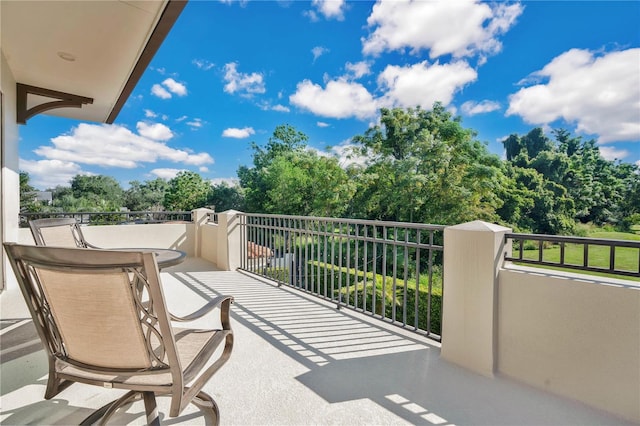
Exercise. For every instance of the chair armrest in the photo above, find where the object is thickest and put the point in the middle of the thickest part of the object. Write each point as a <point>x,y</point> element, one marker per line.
<point>211,305</point>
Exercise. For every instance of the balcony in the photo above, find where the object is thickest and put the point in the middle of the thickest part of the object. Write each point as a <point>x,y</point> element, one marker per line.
<point>300,360</point>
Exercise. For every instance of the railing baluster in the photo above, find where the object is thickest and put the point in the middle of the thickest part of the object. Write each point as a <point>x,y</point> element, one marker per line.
<point>395,274</point>
<point>384,272</point>
<point>365,268</point>
<point>310,244</point>
<point>416,315</point>
<point>374,288</point>
<point>612,258</point>
<point>340,264</point>
<point>355,268</point>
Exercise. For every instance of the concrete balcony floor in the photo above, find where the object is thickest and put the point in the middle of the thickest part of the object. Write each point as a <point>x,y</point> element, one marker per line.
<point>296,361</point>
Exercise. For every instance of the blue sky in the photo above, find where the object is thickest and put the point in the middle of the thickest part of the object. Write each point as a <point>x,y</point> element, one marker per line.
<point>230,72</point>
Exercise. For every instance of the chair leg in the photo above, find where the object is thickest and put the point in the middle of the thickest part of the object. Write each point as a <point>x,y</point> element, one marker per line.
<point>101,415</point>
<point>203,401</point>
<point>151,408</point>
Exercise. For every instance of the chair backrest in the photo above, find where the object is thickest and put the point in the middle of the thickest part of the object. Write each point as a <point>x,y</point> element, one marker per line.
<point>57,232</point>
<point>98,310</point>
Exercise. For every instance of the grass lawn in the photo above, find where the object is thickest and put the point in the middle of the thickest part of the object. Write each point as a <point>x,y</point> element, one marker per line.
<point>626,258</point>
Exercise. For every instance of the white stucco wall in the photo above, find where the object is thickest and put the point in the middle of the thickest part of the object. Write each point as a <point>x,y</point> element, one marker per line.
<point>179,236</point>
<point>9,177</point>
<point>572,335</point>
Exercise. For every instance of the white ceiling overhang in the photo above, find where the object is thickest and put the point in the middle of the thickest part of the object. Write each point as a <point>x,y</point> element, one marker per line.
<point>94,51</point>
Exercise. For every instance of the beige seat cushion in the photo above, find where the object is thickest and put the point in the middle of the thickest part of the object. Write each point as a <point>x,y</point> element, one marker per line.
<point>189,343</point>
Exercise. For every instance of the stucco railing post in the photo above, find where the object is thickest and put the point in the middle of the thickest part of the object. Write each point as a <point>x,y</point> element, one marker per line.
<point>200,218</point>
<point>229,240</point>
<point>473,255</point>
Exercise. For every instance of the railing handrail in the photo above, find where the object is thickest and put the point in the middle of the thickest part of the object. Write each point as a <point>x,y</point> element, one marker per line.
<point>576,240</point>
<point>166,212</point>
<point>612,244</point>
<point>388,224</point>
<point>166,216</point>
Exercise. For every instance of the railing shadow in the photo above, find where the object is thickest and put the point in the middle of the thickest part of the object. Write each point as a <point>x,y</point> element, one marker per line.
<point>349,358</point>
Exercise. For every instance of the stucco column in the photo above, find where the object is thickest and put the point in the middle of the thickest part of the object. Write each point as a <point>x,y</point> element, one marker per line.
<point>473,254</point>
<point>200,218</point>
<point>229,240</point>
<point>9,173</point>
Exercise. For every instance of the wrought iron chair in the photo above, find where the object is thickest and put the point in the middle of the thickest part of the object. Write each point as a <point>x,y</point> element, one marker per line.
<point>58,232</point>
<point>103,320</point>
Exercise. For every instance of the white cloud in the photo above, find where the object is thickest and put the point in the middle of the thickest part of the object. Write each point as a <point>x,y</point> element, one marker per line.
<point>155,131</point>
<point>160,92</point>
<point>349,154</point>
<point>168,85</point>
<point>245,84</point>
<point>318,51</point>
<point>423,84</point>
<point>330,8</point>
<point>471,108</point>
<point>150,114</point>
<point>280,108</point>
<point>267,106</point>
<point>116,146</point>
<point>196,123</point>
<point>166,173</point>
<point>175,87</point>
<point>179,119</point>
<point>203,64</point>
<point>203,169</point>
<point>339,99</point>
<point>229,181</point>
<point>236,133</point>
<point>612,153</point>
<point>599,93</point>
<point>322,124</point>
<point>45,174</point>
<point>459,28</point>
<point>359,69</point>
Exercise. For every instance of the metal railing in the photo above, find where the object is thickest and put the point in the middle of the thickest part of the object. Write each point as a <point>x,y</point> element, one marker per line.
<point>112,218</point>
<point>212,217</point>
<point>390,270</point>
<point>616,257</point>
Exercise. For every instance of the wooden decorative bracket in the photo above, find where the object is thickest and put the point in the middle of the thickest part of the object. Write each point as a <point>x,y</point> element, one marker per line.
<point>63,100</point>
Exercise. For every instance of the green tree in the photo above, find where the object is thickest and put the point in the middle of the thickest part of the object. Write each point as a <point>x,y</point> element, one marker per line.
<point>186,191</point>
<point>575,183</point>
<point>305,183</point>
<point>285,139</point>
<point>425,167</point>
<point>225,197</point>
<point>99,192</point>
<point>287,178</point>
<point>28,201</point>
<point>145,196</point>
<point>535,204</point>
<point>628,212</point>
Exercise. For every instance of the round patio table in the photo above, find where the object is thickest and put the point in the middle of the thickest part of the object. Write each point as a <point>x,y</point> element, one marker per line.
<point>168,257</point>
<point>164,257</point>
